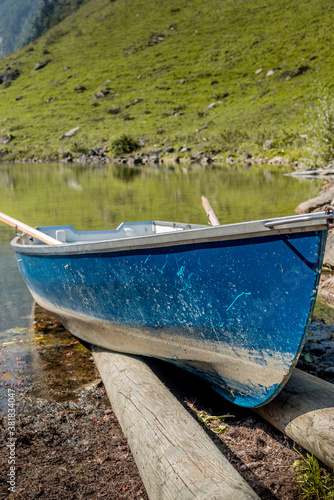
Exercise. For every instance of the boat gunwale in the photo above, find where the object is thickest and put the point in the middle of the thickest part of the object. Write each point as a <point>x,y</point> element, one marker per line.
<point>235,231</point>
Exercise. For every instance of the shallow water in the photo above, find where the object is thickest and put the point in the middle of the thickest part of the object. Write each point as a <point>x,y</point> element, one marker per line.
<point>101,197</point>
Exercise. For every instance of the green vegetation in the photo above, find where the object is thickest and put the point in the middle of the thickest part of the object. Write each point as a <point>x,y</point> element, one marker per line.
<point>219,76</point>
<point>213,422</point>
<point>320,131</point>
<point>123,145</point>
<point>314,482</point>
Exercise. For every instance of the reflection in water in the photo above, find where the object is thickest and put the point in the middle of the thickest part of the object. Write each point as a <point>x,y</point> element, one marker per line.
<point>101,197</point>
<point>104,196</point>
<point>15,313</point>
<point>15,299</point>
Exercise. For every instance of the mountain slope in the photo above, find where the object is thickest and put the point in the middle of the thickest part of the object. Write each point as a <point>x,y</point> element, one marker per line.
<point>212,74</point>
<point>16,18</point>
<point>50,13</point>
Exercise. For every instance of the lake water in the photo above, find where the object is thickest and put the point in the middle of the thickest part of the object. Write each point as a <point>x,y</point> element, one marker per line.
<point>101,197</point>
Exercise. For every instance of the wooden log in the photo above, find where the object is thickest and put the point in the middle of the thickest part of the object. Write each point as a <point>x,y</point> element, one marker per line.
<point>304,411</point>
<point>28,230</point>
<point>175,457</point>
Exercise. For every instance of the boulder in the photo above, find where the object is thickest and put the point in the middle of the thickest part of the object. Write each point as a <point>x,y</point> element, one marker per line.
<point>329,254</point>
<point>154,158</point>
<point>277,160</point>
<point>196,156</point>
<point>326,289</point>
<point>268,144</point>
<point>71,132</point>
<point>41,65</point>
<point>100,94</point>
<point>318,203</point>
<point>5,139</point>
<point>136,101</point>
<point>205,160</point>
<point>214,105</point>
<point>9,75</point>
<point>157,152</point>
<point>287,75</point>
<point>114,111</point>
<point>106,86</point>
<point>246,156</point>
<point>80,88</point>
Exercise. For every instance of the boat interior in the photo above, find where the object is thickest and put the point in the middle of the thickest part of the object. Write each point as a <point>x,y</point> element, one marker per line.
<point>67,234</point>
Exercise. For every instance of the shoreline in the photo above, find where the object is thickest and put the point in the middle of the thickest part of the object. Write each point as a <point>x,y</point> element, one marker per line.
<point>158,158</point>
<point>174,156</point>
<point>143,159</point>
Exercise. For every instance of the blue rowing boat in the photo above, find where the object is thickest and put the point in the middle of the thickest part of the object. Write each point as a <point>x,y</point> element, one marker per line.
<point>230,303</point>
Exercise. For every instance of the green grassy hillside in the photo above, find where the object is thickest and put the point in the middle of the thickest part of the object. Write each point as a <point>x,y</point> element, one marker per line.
<point>172,73</point>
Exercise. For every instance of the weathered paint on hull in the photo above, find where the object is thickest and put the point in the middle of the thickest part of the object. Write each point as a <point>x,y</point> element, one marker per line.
<point>235,313</point>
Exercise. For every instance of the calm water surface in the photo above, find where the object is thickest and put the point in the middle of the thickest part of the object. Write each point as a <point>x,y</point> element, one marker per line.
<point>101,197</point>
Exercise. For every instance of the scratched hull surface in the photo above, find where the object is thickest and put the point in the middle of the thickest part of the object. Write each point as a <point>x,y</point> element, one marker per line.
<point>235,312</point>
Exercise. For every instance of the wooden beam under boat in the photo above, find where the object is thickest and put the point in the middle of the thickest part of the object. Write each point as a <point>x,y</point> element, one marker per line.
<point>176,458</point>
<point>304,411</point>
<point>180,460</point>
<point>179,454</point>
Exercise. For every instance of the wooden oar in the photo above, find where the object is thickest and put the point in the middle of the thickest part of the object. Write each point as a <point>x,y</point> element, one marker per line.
<point>29,230</point>
<point>209,211</point>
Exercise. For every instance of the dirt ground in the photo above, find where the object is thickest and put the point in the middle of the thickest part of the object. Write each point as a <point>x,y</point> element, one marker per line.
<point>69,443</point>
<point>72,450</point>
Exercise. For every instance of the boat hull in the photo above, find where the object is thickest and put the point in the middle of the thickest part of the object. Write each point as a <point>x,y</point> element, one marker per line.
<point>236,313</point>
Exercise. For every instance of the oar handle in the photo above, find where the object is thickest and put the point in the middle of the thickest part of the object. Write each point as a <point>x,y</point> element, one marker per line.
<point>209,211</point>
<point>29,230</point>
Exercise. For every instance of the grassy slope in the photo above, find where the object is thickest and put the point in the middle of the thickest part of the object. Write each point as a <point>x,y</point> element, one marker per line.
<point>215,46</point>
